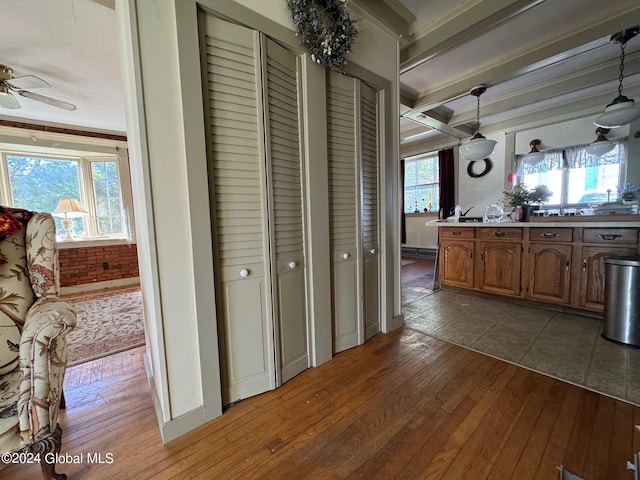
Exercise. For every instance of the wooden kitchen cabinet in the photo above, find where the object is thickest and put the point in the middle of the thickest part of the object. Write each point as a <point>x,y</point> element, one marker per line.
<point>498,267</point>
<point>561,265</point>
<point>457,263</point>
<point>549,272</point>
<point>592,271</point>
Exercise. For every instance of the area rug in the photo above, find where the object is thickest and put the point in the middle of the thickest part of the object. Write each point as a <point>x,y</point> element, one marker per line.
<point>107,323</point>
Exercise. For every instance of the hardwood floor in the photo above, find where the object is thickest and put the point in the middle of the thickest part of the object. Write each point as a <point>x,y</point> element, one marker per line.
<point>404,405</point>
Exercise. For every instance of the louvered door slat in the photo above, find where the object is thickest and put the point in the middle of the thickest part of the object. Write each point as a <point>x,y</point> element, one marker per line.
<point>237,182</point>
<point>284,159</point>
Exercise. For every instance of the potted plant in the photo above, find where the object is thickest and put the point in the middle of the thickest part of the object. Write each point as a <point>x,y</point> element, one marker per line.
<point>528,200</point>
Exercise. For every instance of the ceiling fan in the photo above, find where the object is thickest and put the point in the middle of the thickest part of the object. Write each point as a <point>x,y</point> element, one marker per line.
<point>10,84</point>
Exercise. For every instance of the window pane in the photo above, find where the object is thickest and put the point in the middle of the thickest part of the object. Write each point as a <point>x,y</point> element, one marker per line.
<point>38,184</point>
<point>595,184</point>
<point>108,203</point>
<point>428,171</point>
<point>410,175</point>
<point>552,179</point>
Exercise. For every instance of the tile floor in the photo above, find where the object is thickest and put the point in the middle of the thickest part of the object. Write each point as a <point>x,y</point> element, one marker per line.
<point>566,346</point>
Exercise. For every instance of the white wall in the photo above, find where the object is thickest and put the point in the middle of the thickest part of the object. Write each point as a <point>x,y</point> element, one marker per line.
<point>418,234</point>
<point>165,116</point>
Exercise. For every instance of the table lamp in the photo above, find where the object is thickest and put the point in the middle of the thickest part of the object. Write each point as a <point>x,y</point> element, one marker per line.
<point>69,208</point>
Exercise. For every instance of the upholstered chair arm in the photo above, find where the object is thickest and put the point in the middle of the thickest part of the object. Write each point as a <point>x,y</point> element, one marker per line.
<point>43,359</point>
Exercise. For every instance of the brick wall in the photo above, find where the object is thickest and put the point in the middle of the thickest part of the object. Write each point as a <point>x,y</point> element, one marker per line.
<point>82,265</point>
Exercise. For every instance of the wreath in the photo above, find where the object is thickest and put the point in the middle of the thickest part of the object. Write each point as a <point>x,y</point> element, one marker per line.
<point>325,29</point>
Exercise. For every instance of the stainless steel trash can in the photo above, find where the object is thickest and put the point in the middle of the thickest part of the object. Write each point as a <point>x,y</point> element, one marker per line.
<point>622,300</point>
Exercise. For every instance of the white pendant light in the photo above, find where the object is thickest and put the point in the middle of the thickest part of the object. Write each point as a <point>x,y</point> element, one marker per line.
<point>601,145</point>
<point>622,110</point>
<point>535,156</point>
<point>478,148</point>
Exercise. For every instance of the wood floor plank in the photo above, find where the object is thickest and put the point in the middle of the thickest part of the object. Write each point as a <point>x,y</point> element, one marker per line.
<point>402,406</point>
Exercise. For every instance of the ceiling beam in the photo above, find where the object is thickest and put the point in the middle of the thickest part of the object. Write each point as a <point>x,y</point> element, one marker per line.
<point>587,78</point>
<point>517,65</point>
<point>461,28</point>
<point>389,16</point>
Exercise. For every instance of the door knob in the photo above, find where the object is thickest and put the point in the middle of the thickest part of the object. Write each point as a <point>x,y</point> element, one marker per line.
<point>292,265</point>
<point>345,255</point>
<point>373,251</point>
<point>244,273</point>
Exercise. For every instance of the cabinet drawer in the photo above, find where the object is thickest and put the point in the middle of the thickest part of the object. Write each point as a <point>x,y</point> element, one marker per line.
<point>551,234</point>
<point>452,232</point>
<point>512,233</point>
<point>610,235</point>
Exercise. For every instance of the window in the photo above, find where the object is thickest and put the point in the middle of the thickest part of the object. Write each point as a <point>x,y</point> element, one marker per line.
<point>577,178</point>
<point>421,184</point>
<point>38,182</point>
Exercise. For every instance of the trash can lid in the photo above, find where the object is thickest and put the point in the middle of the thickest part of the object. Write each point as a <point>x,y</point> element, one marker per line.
<point>630,260</point>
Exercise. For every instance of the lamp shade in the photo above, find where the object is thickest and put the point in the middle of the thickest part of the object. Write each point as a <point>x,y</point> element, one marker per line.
<point>69,207</point>
<point>601,145</point>
<point>535,156</point>
<point>622,111</point>
<point>478,148</point>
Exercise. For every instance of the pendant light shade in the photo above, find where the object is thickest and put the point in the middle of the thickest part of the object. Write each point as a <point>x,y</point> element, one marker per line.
<point>601,145</point>
<point>622,110</point>
<point>478,148</point>
<point>535,156</point>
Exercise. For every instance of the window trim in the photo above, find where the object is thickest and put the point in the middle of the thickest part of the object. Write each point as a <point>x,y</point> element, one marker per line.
<point>58,147</point>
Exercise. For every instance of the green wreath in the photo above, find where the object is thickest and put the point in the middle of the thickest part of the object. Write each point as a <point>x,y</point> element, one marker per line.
<point>325,29</point>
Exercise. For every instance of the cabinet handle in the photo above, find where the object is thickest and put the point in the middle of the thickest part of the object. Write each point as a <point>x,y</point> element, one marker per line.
<point>549,235</point>
<point>482,257</point>
<point>567,264</point>
<point>457,233</point>
<point>500,234</point>
<point>244,273</point>
<point>609,236</point>
<point>346,255</point>
<point>292,265</point>
<point>585,263</point>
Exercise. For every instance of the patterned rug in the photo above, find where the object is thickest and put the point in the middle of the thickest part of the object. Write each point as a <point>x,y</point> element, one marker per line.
<point>107,323</point>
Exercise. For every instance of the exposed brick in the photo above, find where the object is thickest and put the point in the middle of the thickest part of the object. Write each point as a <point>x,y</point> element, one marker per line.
<point>84,264</point>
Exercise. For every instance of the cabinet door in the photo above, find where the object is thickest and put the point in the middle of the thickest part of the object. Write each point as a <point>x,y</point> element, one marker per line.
<point>549,272</point>
<point>369,172</point>
<point>343,211</point>
<point>286,208</point>
<point>456,263</point>
<point>592,274</point>
<point>498,267</point>
<point>237,182</point>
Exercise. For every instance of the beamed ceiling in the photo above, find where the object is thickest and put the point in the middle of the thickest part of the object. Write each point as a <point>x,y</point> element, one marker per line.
<point>543,61</point>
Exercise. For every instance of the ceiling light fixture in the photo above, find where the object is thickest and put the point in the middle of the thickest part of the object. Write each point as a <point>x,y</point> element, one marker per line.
<point>623,109</point>
<point>478,147</point>
<point>601,145</point>
<point>535,156</point>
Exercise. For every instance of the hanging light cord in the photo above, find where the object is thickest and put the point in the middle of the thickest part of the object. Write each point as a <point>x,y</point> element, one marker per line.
<point>621,77</point>
<point>478,114</point>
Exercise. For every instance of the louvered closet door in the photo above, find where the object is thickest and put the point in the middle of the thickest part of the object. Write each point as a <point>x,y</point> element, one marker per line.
<point>370,229</point>
<point>284,159</point>
<point>343,210</point>
<point>238,185</point>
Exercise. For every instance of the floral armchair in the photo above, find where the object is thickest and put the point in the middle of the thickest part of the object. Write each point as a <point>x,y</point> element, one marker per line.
<point>33,346</point>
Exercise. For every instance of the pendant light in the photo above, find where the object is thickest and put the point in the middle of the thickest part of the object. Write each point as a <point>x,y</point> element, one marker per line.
<point>478,148</point>
<point>601,145</point>
<point>535,156</point>
<point>622,110</point>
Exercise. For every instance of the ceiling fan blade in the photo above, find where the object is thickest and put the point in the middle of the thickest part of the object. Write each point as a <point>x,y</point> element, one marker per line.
<point>48,100</point>
<point>27,81</point>
<point>7,100</point>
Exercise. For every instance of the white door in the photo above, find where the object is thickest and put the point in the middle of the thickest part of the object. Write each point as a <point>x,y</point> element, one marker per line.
<point>344,214</point>
<point>370,231</point>
<point>238,190</point>
<point>285,181</point>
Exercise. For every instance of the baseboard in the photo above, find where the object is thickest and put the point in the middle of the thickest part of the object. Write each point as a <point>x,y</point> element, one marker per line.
<point>181,425</point>
<point>419,252</point>
<point>91,287</point>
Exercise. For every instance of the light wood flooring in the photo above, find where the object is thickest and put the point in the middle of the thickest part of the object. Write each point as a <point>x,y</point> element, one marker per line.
<point>404,405</point>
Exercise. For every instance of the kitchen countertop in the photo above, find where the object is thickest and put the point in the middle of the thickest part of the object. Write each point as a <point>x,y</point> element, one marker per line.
<point>539,224</point>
